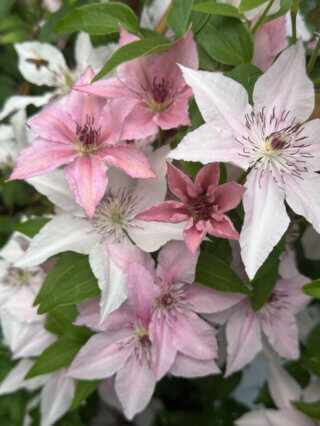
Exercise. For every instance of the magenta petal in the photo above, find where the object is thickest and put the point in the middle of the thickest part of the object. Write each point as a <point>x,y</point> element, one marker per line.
<point>99,359</point>
<point>193,234</point>
<point>128,159</point>
<point>163,351</point>
<point>54,124</point>
<point>194,337</point>
<point>168,211</point>
<point>185,366</point>
<point>208,177</point>
<point>88,181</point>
<point>228,196</point>
<point>222,229</point>
<point>180,184</point>
<point>134,385</point>
<point>41,157</point>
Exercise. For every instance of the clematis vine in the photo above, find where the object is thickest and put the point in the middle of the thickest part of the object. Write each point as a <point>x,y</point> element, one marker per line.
<point>203,204</point>
<point>113,221</point>
<point>271,140</point>
<point>151,88</point>
<point>83,133</point>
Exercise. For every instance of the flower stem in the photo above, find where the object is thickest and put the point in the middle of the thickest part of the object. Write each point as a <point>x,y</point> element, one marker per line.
<point>313,57</point>
<point>162,26</point>
<point>260,21</point>
<point>294,12</point>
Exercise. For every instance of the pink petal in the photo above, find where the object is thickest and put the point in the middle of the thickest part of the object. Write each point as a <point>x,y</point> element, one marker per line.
<point>194,337</point>
<point>128,159</point>
<point>82,106</point>
<point>165,67</point>
<point>139,121</point>
<point>185,366</point>
<point>108,88</point>
<point>243,336</point>
<point>176,264</point>
<point>193,234</point>
<point>162,349</point>
<point>168,211</point>
<point>282,331</point>
<point>262,57</point>
<point>177,114</point>
<point>303,196</point>
<point>228,196</point>
<point>265,220</point>
<point>204,300</point>
<point>292,289</point>
<point>54,124</point>
<point>286,86</point>
<point>41,157</point>
<point>180,184</point>
<point>282,386</point>
<point>134,385</point>
<point>126,37</point>
<point>88,181</point>
<point>208,176</point>
<point>89,314</point>
<point>99,358</point>
<point>222,229</point>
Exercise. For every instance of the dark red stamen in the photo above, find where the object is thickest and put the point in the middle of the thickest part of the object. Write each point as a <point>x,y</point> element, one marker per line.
<point>160,91</point>
<point>144,340</point>
<point>86,134</point>
<point>166,299</point>
<point>202,209</point>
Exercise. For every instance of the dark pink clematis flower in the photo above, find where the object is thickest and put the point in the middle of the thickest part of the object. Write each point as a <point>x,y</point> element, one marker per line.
<point>152,88</point>
<point>83,134</point>
<point>203,204</point>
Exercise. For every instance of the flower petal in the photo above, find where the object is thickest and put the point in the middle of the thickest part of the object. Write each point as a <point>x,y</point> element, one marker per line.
<point>228,196</point>
<point>282,386</point>
<point>180,184</point>
<point>87,180</point>
<point>185,366</point>
<point>223,228</point>
<point>17,102</point>
<point>208,176</point>
<point>168,211</point>
<point>193,234</point>
<point>265,220</point>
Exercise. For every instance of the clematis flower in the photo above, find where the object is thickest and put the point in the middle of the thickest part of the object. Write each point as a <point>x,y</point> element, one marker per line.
<point>203,204</point>
<point>257,11</point>
<point>113,221</point>
<point>276,320</point>
<point>151,88</point>
<point>22,327</point>
<point>83,134</point>
<point>44,64</point>
<point>283,389</point>
<point>270,139</point>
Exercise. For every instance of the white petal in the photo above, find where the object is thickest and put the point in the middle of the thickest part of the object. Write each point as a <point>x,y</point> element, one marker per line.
<point>311,243</point>
<point>208,144</point>
<point>15,379</point>
<point>18,123</point>
<point>303,196</point>
<point>286,86</point>
<point>17,102</point>
<point>54,186</point>
<point>150,236</point>
<point>111,280</point>
<point>62,233</point>
<point>13,250</point>
<point>302,30</point>
<point>152,12</point>
<point>40,63</point>
<point>254,418</point>
<point>265,220</point>
<point>311,130</point>
<point>56,397</point>
<point>283,388</point>
<point>221,100</point>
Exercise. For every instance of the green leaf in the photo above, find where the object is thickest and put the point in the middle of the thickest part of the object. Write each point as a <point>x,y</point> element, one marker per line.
<point>105,18</point>
<point>227,40</point>
<point>246,5</point>
<point>216,274</point>
<point>14,36</point>
<point>197,19</point>
<point>221,9</point>
<point>132,51</point>
<point>69,282</point>
<point>285,5</point>
<point>58,355</point>
<point>83,389</point>
<point>178,16</point>
<point>266,278</point>
<point>311,409</point>
<point>247,75</point>
<point>31,227</point>
<point>312,289</point>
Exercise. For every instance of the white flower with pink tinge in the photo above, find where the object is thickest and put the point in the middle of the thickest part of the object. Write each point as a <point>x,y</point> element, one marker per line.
<point>270,140</point>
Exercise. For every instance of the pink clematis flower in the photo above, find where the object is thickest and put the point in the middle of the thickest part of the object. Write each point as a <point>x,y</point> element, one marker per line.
<point>270,139</point>
<point>203,205</point>
<point>151,88</point>
<point>83,134</point>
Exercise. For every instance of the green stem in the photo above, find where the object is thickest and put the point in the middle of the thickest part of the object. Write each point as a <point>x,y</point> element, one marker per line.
<point>294,12</point>
<point>317,81</point>
<point>260,21</point>
<point>313,57</point>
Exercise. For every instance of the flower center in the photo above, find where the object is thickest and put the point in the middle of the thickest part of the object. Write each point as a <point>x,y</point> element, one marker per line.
<point>114,214</point>
<point>160,97</point>
<point>202,209</point>
<point>16,277</point>
<point>87,136</point>
<point>142,342</point>
<point>274,144</point>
